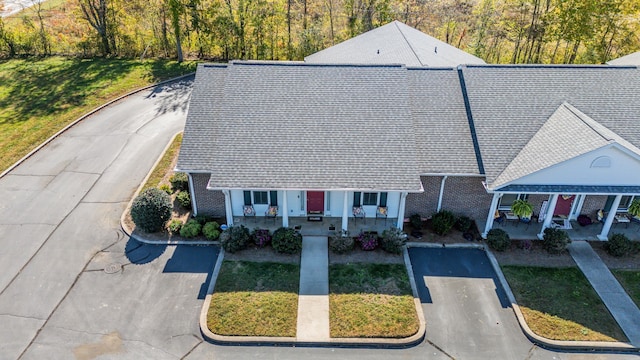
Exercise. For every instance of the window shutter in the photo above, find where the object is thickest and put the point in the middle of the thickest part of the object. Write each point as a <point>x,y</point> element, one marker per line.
<point>383,199</point>
<point>356,198</point>
<point>273,197</point>
<point>247,197</point>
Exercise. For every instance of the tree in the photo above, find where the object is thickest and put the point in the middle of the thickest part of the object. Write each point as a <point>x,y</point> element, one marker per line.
<point>176,9</point>
<point>96,13</point>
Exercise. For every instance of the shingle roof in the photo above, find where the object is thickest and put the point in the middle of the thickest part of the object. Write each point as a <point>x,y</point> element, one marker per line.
<point>394,43</point>
<point>289,125</point>
<point>567,134</point>
<point>511,103</point>
<point>631,59</point>
<point>442,131</point>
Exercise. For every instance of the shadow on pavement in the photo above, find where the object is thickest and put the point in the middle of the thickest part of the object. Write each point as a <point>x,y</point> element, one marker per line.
<point>141,253</point>
<point>453,262</point>
<point>193,259</point>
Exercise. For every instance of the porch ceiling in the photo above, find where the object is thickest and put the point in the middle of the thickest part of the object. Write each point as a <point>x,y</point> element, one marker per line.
<point>570,189</point>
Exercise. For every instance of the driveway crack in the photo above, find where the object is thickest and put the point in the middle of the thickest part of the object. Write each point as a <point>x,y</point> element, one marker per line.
<point>440,349</point>
<point>23,317</point>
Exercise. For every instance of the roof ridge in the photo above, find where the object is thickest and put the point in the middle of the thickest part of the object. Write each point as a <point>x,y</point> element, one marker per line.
<point>554,66</point>
<point>408,43</point>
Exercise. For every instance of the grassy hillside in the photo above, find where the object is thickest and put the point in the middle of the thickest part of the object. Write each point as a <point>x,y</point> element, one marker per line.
<point>38,97</point>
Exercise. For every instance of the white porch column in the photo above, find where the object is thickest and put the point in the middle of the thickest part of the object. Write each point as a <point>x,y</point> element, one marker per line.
<point>345,212</point>
<point>604,235</point>
<point>285,210</point>
<point>227,207</point>
<point>492,213</point>
<point>401,206</point>
<point>548,217</point>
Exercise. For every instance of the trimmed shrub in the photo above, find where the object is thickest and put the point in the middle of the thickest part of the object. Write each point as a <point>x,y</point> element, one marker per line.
<point>286,241</point>
<point>555,241</point>
<point>393,240</point>
<point>234,238</point>
<point>175,225</point>
<point>184,199</point>
<point>463,223</point>
<point>202,219</point>
<point>151,210</point>
<point>261,237</point>
<point>618,245</point>
<point>211,230</point>
<point>191,229</point>
<point>442,222</point>
<point>179,182</point>
<point>368,241</point>
<point>498,239</point>
<point>341,243</point>
<point>166,188</point>
<point>416,221</point>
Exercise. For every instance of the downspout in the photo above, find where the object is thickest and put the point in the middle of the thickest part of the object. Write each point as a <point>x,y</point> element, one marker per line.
<point>441,195</point>
<point>192,193</point>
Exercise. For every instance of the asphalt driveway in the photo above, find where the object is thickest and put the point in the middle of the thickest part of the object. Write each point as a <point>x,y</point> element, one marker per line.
<point>466,309</point>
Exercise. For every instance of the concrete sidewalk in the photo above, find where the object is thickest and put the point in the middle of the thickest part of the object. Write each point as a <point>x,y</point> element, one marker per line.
<point>623,309</point>
<point>313,302</point>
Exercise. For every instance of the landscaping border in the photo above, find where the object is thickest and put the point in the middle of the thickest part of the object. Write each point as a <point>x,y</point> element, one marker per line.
<point>412,340</point>
<point>91,112</point>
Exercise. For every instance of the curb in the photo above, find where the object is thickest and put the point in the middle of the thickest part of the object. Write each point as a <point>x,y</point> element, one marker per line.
<point>412,340</point>
<point>86,115</point>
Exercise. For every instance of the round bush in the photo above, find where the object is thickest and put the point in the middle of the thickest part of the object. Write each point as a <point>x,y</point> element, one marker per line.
<point>618,245</point>
<point>166,188</point>
<point>498,239</point>
<point>286,241</point>
<point>175,225</point>
<point>393,240</point>
<point>341,243</point>
<point>555,241</point>
<point>179,181</point>
<point>202,219</point>
<point>235,238</point>
<point>261,237</point>
<point>184,199</point>
<point>367,241</point>
<point>442,222</point>
<point>463,223</point>
<point>416,221</point>
<point>151,210</point>
<point>191,229</point>
<point>211,230</point>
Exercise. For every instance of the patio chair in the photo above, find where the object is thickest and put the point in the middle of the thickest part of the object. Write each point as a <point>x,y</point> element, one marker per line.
<point>272,212</point>
<point>358,212</point>
<point>382,212</point>
<point>249,211</point>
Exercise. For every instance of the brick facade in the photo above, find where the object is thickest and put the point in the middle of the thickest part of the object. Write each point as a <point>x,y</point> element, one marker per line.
<point>209,202</point>
<point>593,203</point>
<point>462,196</point>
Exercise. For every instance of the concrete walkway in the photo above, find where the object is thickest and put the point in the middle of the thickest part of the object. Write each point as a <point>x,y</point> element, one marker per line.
<point>313,302</point>
<point>623,309</point>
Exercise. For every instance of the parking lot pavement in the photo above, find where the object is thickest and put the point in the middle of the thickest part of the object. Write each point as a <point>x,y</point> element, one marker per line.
<point>466,310</point>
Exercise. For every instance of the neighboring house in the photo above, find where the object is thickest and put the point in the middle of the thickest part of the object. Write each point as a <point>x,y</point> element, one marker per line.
<point>331,138</point>
<point>631,59</point>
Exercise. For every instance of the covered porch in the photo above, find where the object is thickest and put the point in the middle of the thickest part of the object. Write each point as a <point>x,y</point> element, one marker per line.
<point>318,228</point>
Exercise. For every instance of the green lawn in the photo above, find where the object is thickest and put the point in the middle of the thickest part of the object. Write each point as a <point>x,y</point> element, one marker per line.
<point>560,304</point>
<point>371,300</point>
<point>255,299</point>
<point>38,97</point>
<point>164,166</point>
<point>630,280</point>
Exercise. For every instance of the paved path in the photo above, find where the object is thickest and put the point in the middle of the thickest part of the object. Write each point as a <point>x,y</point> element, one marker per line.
<point>623,309</point>
<point>313,302</point>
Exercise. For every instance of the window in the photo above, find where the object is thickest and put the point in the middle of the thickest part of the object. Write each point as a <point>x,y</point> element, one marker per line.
<point>370,199</point>
<point>260,198</point>
<point>507,199</point>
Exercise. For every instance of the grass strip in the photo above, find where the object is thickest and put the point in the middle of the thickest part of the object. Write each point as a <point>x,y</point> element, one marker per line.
<point>371,300</point>
<point>630,281</point>
<point>560,304</point>
<point>255,299</point>
<point>164,166</point>
<point>40,96</point>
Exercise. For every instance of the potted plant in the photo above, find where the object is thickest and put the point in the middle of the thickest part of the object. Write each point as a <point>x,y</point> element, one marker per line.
<point>522,209</point>
<point>634,208</point>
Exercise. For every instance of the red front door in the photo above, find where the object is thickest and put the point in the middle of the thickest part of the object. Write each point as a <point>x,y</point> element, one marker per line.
<point>315,202</point>
<point>563,206</point>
